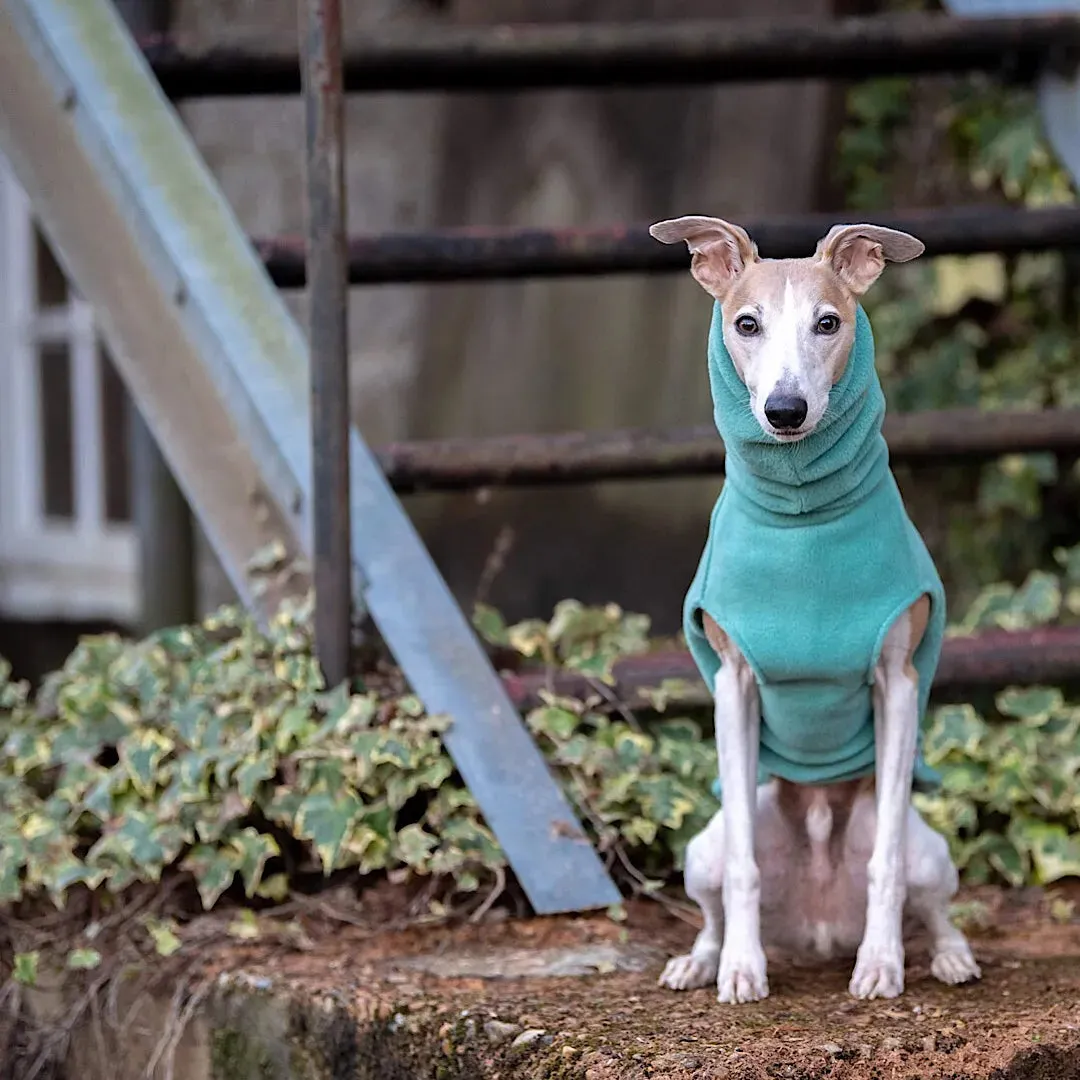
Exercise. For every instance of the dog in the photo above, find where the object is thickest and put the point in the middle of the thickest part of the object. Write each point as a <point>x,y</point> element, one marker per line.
<point>817,616</point>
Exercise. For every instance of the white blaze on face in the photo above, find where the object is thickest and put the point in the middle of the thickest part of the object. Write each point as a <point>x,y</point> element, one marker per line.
<point>786,355</point>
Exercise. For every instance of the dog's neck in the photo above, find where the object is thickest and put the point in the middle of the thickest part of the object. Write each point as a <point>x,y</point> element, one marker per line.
<point>834,467</point>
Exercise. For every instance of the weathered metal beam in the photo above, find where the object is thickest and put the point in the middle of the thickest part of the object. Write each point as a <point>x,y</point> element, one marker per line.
<point>219,369</point>
<point>487,254</point>
<point>639,54</point>
<point>130,210</point>
<point>162,518</point>
<point>993,658</point>
<point>328,332</point>
<point>579,457</point>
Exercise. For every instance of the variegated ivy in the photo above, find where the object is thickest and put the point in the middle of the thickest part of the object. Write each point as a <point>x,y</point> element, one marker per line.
<point>211,748</point>
<point>216,750</point>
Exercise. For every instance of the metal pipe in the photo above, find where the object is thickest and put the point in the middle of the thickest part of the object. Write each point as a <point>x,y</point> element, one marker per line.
<point>481,254</point>
<point>995,658</point>
<point>324,115</point>
<point>639,54</point>
<point>579,457</point>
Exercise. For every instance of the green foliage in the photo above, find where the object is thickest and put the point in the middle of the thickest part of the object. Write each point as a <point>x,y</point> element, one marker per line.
<point>1010,800</point>
<point>218,751</point>
<point>988,331</point>
<point>582,639</point>
<point>1010,796</point>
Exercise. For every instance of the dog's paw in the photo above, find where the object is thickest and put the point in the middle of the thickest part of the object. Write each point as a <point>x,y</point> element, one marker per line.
<point>878,974</point>
<point>742,977</point>
<point>955,965</point>
<point>690,971</point>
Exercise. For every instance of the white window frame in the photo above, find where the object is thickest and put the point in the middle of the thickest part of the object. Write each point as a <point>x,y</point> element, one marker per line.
<point>78,569</point>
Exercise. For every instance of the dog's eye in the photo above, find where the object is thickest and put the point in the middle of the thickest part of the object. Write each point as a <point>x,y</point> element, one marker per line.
<point>747,325</point>
<point>828,324</point>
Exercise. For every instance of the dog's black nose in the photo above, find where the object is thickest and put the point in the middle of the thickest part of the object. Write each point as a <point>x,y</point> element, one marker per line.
<point>785,411</point>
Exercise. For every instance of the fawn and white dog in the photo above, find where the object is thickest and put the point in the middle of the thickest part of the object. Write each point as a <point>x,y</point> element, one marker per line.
<point>827,868</point>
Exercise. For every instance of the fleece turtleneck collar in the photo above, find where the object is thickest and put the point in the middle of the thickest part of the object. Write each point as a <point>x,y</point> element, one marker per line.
<point>835,466</point>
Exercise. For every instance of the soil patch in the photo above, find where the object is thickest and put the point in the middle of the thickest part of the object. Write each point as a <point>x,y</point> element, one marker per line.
<point>484,1018</point>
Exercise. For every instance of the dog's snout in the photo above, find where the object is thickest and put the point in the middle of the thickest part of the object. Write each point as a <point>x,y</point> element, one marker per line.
<point>785,411</point>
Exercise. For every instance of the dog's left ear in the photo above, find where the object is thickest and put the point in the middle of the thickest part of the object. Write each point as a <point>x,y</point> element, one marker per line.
<point>858,253</point>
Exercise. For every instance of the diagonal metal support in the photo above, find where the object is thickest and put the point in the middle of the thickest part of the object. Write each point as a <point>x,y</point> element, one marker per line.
<point>219,369</point>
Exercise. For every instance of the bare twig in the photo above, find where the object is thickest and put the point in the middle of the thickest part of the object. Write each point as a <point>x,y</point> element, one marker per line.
<point>495,563</point>
<point>496,891</point>
<point>680,910</point>
<point>616,703</point>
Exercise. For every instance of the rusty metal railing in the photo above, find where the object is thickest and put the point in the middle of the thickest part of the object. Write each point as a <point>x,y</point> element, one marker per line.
<point>577,457</point>
<point>990,658</point>
<point>496,254</point>
<point>498,59</point>
<point>418,57</point>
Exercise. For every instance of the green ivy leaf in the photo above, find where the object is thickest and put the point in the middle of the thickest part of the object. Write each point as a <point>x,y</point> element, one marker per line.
<point>954,728</point>
<point>82,960</point>
<point>245,927</point>
<point>255,850</point>
<point>1039,598</point>
<point>489,625</point>
<point>325,819</point>
<point>414,845</point>
<point>665,801</point>
<point>141,754</point>
<point>251,774</point>
<point>558,724</point>
<point>1054,853</point>
<point>25,968</point>
<point>275,888</point>
<point>1033,705</point>
<point>163,935</point>
<point>213,869</point>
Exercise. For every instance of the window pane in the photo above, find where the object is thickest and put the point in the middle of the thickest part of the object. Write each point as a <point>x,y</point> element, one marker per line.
<point>57,435</point>
<point>52,286</point>
<point>114,426</point>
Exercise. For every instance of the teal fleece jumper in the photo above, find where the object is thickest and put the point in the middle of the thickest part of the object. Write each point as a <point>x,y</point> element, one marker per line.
<point>810,559</point>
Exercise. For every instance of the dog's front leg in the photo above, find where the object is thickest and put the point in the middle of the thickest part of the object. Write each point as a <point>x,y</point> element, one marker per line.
<point>738,717</point>
<point>879,966</point>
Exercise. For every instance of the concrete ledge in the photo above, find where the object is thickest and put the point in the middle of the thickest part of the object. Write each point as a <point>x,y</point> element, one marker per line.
<point>577,998</point>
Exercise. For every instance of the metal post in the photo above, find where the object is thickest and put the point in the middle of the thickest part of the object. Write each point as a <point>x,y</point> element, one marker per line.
<point>328,298</point>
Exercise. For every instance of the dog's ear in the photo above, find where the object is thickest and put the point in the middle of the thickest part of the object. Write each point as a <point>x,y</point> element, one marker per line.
<point>857,253</point>
<point>719,250</point>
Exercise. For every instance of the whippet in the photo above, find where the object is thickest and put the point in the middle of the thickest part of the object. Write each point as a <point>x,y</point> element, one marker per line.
<point>817,617</point>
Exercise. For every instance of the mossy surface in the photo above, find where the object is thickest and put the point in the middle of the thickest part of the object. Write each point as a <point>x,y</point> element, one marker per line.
<point>234,1055</point>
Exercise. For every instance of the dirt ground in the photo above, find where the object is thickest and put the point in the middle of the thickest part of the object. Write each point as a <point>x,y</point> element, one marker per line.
<point>1022,1020</point>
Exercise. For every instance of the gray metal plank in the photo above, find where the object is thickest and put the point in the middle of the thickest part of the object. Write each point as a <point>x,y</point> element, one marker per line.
<point>219,369</point>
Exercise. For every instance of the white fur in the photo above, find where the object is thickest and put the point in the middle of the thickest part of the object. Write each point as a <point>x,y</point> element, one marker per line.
<point>758,873</point>
<point>755,877</point>
<point>931,884</point>
<point>742,960</point>
<point>785,355</point>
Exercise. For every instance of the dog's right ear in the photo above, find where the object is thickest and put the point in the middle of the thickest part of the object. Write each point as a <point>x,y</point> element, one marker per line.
<point>719,250</point>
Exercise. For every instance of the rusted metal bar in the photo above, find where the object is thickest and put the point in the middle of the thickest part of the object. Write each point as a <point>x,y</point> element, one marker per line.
<point>994,658</point>
<point>324,115</point>
<point>499,58</point>
<point>486,254</point>
<point>579,457</point>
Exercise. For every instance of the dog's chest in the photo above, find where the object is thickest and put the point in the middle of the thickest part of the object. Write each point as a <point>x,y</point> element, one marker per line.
<point>811,602</point>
